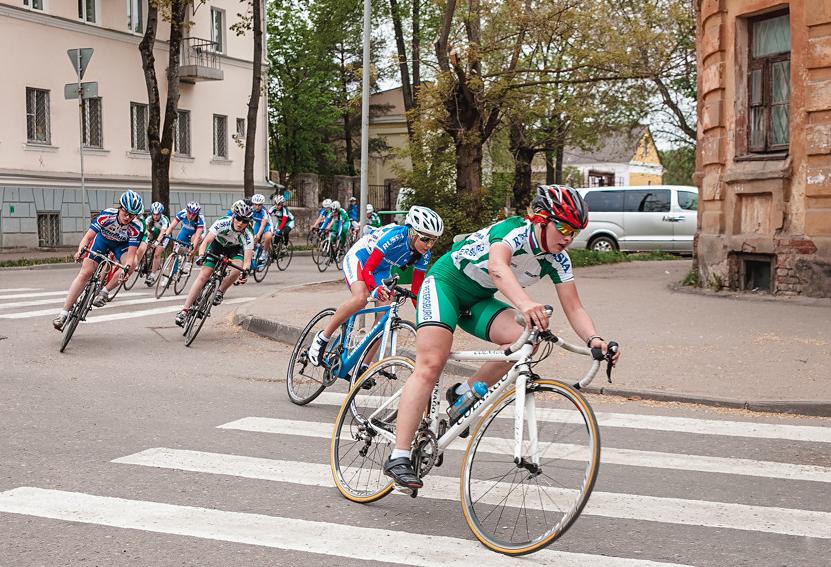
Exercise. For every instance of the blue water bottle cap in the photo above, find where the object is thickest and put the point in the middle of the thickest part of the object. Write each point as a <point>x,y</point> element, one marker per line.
<point>480,388</point>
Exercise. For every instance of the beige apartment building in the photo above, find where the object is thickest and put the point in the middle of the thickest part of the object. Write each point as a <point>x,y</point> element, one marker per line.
<point>40,135</point>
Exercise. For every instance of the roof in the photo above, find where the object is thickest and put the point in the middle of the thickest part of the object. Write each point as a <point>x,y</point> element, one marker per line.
<point>619,147</point>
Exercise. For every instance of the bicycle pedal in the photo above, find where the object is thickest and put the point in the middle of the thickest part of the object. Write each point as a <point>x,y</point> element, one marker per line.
<point>405,490</point>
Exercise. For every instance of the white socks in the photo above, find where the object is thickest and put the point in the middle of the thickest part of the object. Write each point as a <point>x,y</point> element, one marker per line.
<point>323,337</point>
<point>398,453</point>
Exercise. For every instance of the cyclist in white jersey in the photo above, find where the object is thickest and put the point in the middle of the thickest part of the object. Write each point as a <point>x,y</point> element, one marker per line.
<point>229,237</point>
<point>459,290</point>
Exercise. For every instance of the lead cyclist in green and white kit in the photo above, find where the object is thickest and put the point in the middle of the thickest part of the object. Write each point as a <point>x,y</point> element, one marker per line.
<point>459,290</point>
<point>229,237</point>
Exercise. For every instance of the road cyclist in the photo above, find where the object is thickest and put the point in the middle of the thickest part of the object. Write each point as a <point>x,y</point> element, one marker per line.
<point>263,228</point>
<point>354,212</point>
<point>283,222</point>
<point>115,230</point>
<point>228,237</point>
<point>192,223</point>
<point>370,260</point>
<point>155,224</point>
<point>373,219</point>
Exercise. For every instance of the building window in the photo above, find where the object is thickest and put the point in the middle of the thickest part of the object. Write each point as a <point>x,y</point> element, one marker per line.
<point>135,21</point>
<point>49,229</point>
<point>37,116</point>
<point>34,4</point>
<point>138,126</point>
<point>769,72</point>
<point>181,133</point>
<point>93,131</point>
<point>220,136</point>
<point>241,128</point>
<point>218,29</point>
<point>86,10</point>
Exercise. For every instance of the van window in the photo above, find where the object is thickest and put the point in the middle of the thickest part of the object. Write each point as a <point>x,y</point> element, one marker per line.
<point>646,201</point>
<point>605,201</point>
<point>688,200</point>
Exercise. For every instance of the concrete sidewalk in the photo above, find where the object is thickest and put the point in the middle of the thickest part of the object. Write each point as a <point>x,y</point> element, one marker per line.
<point>753,352</point>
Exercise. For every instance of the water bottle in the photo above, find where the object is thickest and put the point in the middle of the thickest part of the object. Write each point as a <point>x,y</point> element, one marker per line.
<point>463,402</point>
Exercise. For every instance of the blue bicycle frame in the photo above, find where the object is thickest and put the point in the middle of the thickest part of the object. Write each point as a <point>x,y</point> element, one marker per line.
<point>348,359</point>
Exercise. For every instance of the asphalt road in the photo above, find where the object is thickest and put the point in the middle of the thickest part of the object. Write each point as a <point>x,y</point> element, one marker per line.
<point>113,454</point>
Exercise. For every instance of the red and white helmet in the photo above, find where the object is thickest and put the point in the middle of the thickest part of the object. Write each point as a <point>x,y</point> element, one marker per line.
<point>561,203</point>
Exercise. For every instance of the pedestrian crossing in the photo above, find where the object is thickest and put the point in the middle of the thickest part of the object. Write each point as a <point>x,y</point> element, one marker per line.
<point>16,306</point>
<point>358,533</point>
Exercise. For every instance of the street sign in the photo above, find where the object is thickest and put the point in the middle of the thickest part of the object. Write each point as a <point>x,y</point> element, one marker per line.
<point>80,59</point>
<point>88,90</point>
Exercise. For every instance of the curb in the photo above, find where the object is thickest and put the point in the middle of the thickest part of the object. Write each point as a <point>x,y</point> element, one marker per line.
<point>288,334</point>
<point>55,266</point>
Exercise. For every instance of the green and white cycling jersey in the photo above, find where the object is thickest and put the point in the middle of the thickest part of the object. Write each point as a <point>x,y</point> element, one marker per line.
<point>458,289</point>
<point>154,228</point>
<point>226,236</point>
<point>529,262</point>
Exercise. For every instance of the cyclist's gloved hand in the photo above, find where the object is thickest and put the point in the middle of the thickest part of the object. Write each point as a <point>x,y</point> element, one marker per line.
<point>243,277</point>
<point>381,293</point>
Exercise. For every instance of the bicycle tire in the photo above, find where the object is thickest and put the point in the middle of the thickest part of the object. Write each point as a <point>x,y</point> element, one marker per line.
<point>285,255</point>
<point>204,308</point>
<point>323,256</point>
<point>508,493</point>
<point>69,329</point>
<point>407,349</point>
<point>79,310</point>
<point>298,394</point>
<point>177,280</point>
<point>262,269</point>
<point>134,277</point>
<point>358,474</point>
<point>166,275</point>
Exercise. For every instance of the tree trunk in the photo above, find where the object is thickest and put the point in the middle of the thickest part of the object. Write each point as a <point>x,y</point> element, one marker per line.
<point>253,101</point>
<point>148,64</point>
<point>523,156</point>
<point>178,15</point>
<point>549,167</point>
<point>558,170</point>
<point>469,172</point>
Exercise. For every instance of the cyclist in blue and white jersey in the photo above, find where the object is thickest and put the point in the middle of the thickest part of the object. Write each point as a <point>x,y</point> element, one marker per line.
<point>115,230</point>
<point>283,219</point>
<point>370,261</point>
<point>323,215</point>
<point>263,228</point>
<point>193,224</point>
<point>354,212</point>
<point>229,237</point>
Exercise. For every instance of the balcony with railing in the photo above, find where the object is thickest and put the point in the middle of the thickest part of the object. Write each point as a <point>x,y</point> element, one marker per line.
<point>200,61</point>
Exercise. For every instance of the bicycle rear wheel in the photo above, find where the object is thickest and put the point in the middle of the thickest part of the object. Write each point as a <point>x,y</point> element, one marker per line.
<point>518,509</point>
<point>203,312</point>
<point>358,452</point>
<point>305,381</point>
<point>166,275</point>
<point>284,256</point>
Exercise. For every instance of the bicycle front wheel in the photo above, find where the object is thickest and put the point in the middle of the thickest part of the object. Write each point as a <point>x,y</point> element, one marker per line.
<point>134,277</point>
<point>202,313</point>
<point>358,451</point>
<point>323,257</point>
<point>166,276</point>
<point>180,280</point>
<point>521,508</point>
<point>262,267</point>
<point>304,380</point>
<point>284,256</point>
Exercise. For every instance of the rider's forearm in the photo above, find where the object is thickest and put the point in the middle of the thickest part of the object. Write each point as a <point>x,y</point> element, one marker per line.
<point>246,259</point>
<point>88,236</point>
<point>505,281</point>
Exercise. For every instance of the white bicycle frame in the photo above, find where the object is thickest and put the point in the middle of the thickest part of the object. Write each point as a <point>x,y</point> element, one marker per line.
<point>521,352</point>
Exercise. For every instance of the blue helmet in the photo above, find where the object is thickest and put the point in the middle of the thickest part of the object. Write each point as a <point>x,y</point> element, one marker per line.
<point>131,202</point>
<point>194,208</point>
<point>157,208</point>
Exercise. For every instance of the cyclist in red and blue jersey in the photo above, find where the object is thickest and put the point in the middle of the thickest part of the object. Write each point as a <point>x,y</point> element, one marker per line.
<point>263,228</point>
<point>193,224</point>
<point>115,230</point>
<point>370,261</point>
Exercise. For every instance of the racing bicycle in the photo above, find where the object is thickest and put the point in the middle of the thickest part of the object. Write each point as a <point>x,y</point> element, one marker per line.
<point>172,271</point>
<point>530,463</point>
<point>201,309</point>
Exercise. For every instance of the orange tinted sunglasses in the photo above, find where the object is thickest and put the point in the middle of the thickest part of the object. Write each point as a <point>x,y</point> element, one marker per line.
<point>566,230</point>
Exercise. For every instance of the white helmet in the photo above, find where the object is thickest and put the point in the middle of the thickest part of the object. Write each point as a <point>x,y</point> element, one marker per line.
<point>336,205</point>
<point>369,208</point>
<point>327,203</point>
<point>258,198</point>
<point>425,221</point>
<point>279,199</point>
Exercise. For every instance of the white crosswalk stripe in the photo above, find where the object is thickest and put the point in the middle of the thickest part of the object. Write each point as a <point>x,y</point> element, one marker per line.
<point>629,457</point>
<point>669,423</point>
<point>626,506</point>
<point>370,544</point>
<point>10,289</point>
<point>117,302</point>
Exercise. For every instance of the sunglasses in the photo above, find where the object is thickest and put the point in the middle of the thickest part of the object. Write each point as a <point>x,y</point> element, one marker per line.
<point>566,230</point>
<point>426,239</point>
<point>245,220</point>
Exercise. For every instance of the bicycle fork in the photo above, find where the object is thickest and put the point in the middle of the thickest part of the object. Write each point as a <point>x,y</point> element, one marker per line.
<point>526,412</point>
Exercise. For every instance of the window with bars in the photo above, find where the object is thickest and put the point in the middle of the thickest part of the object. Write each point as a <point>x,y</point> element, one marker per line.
<point>34,4</point>
<point>138,126</point>
<point>135,21</point>
<point>181,133</point>
<point>86,10</point>
<point>49,229</point>
<point>768,88</point>
<point>37,116</point>
<point>218,29</point>
<point>220,136</point>
<point>93,130</point>
<point>241,128</point>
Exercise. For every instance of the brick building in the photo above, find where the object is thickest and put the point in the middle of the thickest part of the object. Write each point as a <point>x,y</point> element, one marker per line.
<point>764,154</point>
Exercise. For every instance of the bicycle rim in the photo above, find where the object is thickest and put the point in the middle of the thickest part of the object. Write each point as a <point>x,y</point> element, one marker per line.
<point>181,280</point>
<point>284,259</point>
<point>204,308</point>
<point>304,381</point>
<point>403,334</point>
<point>357,452</point>
<point>165,276</point>
<point>262,269</point>
<point>134,277</point>
<point>517,510</point>
<point>69,329</point>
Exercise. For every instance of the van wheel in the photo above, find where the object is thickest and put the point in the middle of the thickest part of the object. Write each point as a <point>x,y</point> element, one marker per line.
<point>603,244</point>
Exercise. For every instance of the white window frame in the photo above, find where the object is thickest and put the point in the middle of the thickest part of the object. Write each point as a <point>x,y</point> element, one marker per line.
<point>84,15</point>
<point>177,132</point>
<point>30,5</point>
<point>46,114</point>
<point>220,44</point>
<point>87,134</point>
<point>133,131</point>
<point>216,139</point>
<point>132,7</point>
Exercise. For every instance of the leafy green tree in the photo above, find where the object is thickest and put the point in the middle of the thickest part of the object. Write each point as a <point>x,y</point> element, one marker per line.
<point>679,165</point>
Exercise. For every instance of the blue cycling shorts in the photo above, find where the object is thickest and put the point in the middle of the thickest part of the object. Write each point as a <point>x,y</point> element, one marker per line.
<point>103,246</point>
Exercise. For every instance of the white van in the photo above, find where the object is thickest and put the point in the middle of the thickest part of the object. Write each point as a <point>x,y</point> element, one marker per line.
<point>647,217</point>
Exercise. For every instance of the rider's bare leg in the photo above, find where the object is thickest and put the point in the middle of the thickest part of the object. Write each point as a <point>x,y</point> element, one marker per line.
<point>87,268</point>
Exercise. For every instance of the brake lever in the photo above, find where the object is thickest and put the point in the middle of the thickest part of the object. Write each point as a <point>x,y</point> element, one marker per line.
<point>610,352</point>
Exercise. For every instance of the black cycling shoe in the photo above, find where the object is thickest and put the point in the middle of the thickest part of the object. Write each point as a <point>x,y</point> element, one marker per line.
<point>401,471</point>
<point>451,396</point>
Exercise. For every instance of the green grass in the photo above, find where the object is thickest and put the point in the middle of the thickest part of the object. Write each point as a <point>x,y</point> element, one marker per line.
<point>581,257</point>
<point>24,262</point>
